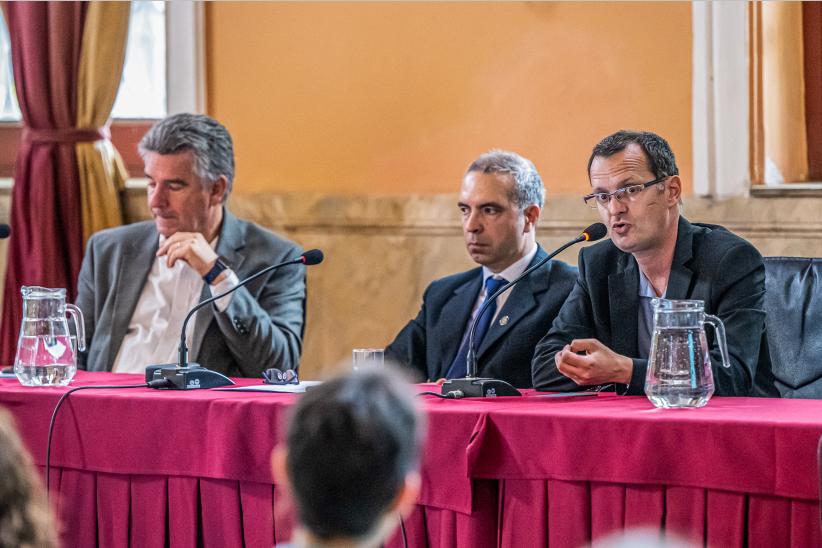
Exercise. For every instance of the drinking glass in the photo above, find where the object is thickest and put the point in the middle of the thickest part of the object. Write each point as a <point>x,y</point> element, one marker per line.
<point>367,357</point>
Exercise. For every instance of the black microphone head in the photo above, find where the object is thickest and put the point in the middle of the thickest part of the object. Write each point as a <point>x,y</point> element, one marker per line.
<point>594,232</point>
<point>311,257</point>
<point>5,231</point>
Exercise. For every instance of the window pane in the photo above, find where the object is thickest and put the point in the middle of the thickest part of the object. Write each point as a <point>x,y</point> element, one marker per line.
<point>142,91</point>
<point>9,111</point>
<point>143,85</point>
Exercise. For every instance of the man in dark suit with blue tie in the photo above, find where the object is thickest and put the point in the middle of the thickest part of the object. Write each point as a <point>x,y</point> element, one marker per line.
<point>500,202</point>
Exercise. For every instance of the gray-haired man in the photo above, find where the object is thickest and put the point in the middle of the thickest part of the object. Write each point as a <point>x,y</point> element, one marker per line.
<point>500,203</point>
<point>138,282</point>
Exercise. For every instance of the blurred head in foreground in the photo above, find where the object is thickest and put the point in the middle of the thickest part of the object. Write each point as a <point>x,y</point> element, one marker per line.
<point>643,537</point>
<point>24,516</point>
<point>351,458</point>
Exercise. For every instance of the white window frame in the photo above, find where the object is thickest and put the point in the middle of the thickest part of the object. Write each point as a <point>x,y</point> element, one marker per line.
<point>185,57</point>
<point>185,64</point>
<point>721,95</point>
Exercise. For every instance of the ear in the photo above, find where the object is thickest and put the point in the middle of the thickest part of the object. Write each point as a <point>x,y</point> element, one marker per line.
<point>407,497</point>
<point>673,190</point>
<point>279,468</point>
<point>531,213</point>
<point>217,192</point>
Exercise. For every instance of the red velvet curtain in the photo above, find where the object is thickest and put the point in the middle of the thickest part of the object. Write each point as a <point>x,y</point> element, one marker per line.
<point>46,245</point>
<point>812,51</point>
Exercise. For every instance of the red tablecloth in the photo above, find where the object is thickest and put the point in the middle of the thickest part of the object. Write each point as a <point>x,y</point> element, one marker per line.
<point>147,467</point>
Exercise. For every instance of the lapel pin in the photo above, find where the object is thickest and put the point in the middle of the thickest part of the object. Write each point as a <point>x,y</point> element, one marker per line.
<point>503,321</point>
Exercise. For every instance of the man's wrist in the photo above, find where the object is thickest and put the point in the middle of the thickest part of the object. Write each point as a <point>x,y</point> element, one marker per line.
<point>221,277</point>
<point>226,281</point>
<point>627,370</point>
<point>216,273</point>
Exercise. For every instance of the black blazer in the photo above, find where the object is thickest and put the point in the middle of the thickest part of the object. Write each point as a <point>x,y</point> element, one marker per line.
<point>710,264</point>
<point>429,343</point>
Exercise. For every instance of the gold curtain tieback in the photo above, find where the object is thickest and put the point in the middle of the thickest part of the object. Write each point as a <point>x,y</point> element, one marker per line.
<point>65,135</point>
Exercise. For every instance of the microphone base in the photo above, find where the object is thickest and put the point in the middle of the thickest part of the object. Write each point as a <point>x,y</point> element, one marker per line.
<point>150,369</point>
<point>474,387</point>
<point>192,377</point>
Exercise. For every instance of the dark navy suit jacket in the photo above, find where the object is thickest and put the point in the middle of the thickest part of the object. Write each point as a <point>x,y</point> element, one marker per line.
<point>710,264</point>
<point>429,343</point>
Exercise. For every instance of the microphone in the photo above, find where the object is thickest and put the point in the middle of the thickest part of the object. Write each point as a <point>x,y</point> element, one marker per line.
<point>312,257</point>
<point>473,386</point>
<point>5,231</point>
<point>187,376</point>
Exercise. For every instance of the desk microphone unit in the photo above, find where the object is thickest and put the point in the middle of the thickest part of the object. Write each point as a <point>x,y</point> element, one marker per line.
<point>191,376</point>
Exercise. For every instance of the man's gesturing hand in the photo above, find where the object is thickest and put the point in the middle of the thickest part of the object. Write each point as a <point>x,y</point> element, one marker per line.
<point>588,361</point>
<point>191,248</point>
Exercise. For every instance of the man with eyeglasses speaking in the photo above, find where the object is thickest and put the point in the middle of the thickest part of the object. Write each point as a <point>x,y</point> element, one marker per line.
<point>602,335</point>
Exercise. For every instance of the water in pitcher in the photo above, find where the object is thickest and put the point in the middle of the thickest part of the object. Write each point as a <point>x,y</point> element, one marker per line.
<point>45,360</point>
<point>679,372</point>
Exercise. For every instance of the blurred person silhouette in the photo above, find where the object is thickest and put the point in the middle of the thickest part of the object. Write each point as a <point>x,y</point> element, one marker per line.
<point>643,537</point>
<point>351,457</point>
<point>25,519</point>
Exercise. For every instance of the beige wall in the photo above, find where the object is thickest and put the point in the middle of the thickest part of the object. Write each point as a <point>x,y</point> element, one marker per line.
<point>398,98</point>
<point>354,122</point>
<point>381,252</point>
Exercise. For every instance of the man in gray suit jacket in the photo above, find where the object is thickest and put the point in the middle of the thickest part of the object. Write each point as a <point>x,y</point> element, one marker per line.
<point>137,282</point>
<point>500,202</point>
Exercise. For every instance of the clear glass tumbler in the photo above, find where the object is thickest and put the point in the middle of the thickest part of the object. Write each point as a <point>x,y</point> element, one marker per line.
<point>367,357</point>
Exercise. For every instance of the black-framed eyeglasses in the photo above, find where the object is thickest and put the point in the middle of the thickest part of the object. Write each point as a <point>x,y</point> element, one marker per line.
<point>277,376</point>
<point>629,192</point>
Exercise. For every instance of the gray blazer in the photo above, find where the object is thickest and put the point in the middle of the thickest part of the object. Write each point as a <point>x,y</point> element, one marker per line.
<point>261,328</point>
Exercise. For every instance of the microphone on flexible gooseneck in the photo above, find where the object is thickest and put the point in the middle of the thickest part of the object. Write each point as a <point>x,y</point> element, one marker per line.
<point>473,386</point>
<point>186,376</point>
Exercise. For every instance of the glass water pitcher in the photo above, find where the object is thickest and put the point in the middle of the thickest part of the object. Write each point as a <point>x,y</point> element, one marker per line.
<point>46,351</point>
<point>679,365</point>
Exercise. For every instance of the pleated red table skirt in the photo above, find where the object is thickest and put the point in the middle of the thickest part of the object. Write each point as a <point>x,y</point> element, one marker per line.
<point>142,467</point>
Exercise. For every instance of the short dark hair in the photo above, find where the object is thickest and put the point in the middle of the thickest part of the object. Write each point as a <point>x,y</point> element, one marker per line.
<point>351,443</point>
<point>206,138</point>
<point>661,160</point>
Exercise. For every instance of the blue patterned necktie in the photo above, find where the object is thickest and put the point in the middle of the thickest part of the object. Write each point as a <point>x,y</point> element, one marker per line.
<point>459,367</point>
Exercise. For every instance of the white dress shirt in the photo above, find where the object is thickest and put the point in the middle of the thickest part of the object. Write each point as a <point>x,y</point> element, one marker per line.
<point>509,274</point>
<point>153,335</point>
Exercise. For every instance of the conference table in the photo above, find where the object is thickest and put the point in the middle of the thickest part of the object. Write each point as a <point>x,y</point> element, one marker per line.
<point>145,467</point>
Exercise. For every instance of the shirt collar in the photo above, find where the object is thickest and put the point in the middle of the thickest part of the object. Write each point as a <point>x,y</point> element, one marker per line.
<point>645,288</point>
<point>513,271</point>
